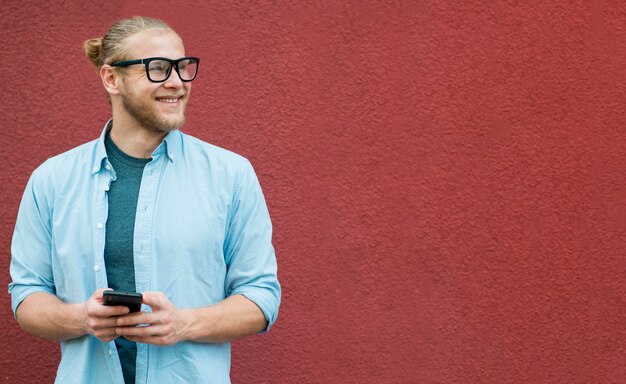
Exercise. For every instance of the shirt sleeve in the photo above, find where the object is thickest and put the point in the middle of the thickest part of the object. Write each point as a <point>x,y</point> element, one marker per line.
<point>250,258</point>
<point>31,269</point>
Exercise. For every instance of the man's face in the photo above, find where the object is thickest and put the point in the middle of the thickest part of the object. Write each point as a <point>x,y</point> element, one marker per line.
<point>158,107</point>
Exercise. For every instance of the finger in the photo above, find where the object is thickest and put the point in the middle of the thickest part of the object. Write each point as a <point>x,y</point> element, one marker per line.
<point>150,330</point>
<point>96,323</point>
<point>109,338</point>
<point>154,299</point>
<point>132,331</point>
<point>159,317</point>
<point>106,333</point>
<point>97,295</point>
<point>135,319</point>
<point>156,340</point>
<point>99,310</point>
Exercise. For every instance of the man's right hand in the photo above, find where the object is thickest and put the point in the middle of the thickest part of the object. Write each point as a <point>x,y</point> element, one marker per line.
<point>101,320</point>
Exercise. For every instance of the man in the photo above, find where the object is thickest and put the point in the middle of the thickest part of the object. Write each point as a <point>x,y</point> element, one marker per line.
<point>149,209</point>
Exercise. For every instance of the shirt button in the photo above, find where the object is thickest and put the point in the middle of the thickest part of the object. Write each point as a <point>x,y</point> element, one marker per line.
<point>100,225</point>
<point>95,169</point>
<point>96,268</point>
<point>108,167</point>
<point>171,156</point>
<point>110,352</point>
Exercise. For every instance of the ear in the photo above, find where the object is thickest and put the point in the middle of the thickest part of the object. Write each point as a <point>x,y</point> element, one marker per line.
<point>110,79</point>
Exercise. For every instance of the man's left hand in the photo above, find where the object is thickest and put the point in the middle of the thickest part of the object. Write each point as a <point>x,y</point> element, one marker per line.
<point>163,326</point>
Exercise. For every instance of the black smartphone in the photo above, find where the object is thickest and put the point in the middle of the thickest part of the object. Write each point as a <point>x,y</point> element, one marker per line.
<point>132,300</point>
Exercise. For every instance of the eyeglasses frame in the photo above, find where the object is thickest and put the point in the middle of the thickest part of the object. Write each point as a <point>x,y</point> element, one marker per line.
<point>173,64</point>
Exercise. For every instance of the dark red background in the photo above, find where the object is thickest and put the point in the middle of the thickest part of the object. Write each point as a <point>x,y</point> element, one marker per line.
<point>446,178</point>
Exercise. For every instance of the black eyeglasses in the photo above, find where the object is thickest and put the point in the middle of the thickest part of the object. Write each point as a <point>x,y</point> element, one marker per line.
<point>159,69</point>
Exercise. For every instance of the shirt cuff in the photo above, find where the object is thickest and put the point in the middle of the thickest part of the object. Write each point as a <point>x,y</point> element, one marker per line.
<point>21,292</point>
<point>265,300</point>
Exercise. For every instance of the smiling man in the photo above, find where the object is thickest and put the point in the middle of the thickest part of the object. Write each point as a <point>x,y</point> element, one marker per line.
<point>144,208</point>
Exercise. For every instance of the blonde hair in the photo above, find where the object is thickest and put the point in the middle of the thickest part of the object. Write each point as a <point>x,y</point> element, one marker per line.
<point>112,46</point>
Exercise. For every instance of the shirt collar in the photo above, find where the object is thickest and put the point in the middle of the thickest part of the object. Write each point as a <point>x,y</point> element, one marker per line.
<point>171,147</point>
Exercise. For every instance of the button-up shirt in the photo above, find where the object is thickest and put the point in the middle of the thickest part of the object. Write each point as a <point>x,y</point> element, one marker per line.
<point>202,233</point>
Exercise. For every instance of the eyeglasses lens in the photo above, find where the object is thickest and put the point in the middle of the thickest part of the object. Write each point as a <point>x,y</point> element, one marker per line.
<point>158,70</point>
<point>187,69</point>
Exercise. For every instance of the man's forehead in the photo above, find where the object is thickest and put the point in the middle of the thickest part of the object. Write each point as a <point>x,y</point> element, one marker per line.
<point>155,44</point>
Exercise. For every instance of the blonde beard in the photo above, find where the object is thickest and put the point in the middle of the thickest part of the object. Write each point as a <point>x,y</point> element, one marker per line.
<point>148,117</point>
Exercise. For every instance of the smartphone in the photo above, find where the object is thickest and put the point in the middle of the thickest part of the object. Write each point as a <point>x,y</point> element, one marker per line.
<point>132,300</point>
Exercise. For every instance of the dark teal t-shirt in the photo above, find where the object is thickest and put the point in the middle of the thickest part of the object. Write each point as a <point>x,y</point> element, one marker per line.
<point>120,225</point>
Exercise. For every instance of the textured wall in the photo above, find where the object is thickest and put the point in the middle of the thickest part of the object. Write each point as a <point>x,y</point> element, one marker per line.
<point>446,178</point>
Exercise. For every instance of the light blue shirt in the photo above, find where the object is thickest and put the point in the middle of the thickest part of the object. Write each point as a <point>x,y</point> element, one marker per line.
<point>202,233</point>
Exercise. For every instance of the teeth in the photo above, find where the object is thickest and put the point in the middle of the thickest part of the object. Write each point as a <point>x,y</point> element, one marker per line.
<point>167,100</point>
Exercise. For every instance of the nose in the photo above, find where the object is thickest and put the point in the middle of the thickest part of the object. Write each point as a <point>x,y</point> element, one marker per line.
<point>173,81</point>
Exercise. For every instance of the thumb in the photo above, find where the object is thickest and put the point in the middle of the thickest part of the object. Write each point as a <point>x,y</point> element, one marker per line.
<point>153,299</point>
<point>97,295</point>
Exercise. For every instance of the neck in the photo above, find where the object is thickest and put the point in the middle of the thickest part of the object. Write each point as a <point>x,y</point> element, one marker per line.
<point>134,139</point>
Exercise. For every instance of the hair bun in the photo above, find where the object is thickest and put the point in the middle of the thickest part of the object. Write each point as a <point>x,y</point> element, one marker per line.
<point>92,50</point>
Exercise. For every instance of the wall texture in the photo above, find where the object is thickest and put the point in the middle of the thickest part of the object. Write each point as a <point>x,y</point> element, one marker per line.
<point>446,178</point>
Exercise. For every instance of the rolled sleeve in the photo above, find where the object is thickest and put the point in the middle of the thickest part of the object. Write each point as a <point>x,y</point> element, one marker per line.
<point>31,269</point>
<point>250,257</point>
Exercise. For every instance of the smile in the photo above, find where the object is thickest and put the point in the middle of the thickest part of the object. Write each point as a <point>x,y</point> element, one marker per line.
<point>168,99</point>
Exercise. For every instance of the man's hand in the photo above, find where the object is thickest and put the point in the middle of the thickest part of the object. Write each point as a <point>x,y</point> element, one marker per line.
<point>231,319</point>
<point>101,320</point>
<point>164,326</point>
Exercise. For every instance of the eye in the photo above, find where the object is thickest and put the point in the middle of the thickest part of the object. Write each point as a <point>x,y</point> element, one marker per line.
<point>158,66</point>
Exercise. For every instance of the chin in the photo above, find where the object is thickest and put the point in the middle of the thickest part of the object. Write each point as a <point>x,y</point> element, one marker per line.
<point>168,125</point>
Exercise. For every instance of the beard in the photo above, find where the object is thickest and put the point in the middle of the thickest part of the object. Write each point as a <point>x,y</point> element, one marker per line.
<point>147,115</point>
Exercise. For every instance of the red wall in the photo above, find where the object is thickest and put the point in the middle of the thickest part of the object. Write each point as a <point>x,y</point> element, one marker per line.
<point>446,178</point>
